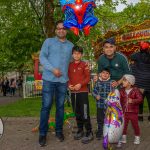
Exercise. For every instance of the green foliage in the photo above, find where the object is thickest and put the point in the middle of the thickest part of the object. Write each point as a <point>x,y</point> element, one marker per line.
<point>31,108</point>
<point>20,36</point>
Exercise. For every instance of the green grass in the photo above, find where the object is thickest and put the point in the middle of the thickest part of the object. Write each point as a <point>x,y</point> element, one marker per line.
<point>31,108</point>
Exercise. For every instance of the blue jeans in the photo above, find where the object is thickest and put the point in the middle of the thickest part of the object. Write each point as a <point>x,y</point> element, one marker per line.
<point>49,90</point>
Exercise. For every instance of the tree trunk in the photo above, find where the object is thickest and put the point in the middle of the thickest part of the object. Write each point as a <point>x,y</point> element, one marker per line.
<point>49,22</point>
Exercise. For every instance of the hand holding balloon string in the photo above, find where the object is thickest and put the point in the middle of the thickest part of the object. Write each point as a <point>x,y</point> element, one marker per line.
<point>76,87</point>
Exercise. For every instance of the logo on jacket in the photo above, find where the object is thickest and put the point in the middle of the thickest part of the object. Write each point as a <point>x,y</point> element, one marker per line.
<point>116,65</point>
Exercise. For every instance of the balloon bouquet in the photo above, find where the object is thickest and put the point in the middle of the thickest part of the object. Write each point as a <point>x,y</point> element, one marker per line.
<point>79,15</point>
<point>114,122</point>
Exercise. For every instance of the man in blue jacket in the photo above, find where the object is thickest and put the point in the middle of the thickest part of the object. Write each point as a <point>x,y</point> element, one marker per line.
<point>55,57</point>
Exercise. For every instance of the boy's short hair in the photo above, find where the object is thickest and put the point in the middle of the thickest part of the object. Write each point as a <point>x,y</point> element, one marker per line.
<point>105,69</point>
<point>77,49</point>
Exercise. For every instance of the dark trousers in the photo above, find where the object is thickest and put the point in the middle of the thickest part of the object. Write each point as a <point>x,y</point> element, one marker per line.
<point>20,90</point>
<point>134,121</point>
<point>100,119</point>
<point>4,90</point>
<point>147,95</point>
<point>80,105</point>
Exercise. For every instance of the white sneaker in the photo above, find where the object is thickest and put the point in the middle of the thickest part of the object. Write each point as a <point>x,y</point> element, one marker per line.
<point>137,140</point>
<point>119,144</point>
<point>124,139</point>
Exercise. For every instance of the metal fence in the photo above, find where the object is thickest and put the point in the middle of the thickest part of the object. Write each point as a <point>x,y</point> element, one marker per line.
<point>30,90</point>
<point>33,89</point>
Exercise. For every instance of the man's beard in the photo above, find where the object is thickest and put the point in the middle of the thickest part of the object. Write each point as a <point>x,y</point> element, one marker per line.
<point>61,36</point>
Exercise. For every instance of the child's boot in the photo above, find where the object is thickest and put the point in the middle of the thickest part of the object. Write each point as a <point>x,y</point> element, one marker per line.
<point>88,137</point>
<point>119,144</point>
<point>79,134</point>
<point>99,135</point>
<point>137,140</point>
<point>124,139</point>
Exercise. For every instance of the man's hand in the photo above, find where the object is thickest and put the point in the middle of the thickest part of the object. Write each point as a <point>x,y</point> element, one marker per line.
<point>98,97</point>
<point>71,87</point>
<point>57,72</point>
<point>77,87</point>
<point>114,84</point>
<point>130,100</point>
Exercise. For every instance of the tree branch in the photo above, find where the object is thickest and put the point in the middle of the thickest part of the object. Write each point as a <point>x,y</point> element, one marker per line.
<point>38,16</point>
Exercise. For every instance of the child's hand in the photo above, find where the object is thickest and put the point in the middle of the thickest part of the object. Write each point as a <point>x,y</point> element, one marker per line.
<point>130,100</point>
<point>98,97</point>
<point>77,87</point>
<point>71,87</point>
<point>114,84</point>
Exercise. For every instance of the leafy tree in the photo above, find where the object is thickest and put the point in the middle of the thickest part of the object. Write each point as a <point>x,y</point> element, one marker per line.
<point>20,36</point>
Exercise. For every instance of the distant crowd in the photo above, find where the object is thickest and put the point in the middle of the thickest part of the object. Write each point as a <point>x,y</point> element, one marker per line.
<point>8,87</point>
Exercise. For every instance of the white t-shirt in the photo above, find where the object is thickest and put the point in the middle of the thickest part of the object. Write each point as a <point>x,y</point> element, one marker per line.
<point>128,91</point>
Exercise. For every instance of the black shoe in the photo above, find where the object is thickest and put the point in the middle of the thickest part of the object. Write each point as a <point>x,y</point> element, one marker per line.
<point>88,138</point>
<point>98,135</point>
<point>42,140</point>
<point>60,137</point>
<point>140,118</point>
<point>148,118</point>
<point>79,135</point>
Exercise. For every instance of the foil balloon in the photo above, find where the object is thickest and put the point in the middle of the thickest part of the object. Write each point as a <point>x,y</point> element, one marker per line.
<point>79,15</point>
<point>114,121</point>
<point>144,45</point>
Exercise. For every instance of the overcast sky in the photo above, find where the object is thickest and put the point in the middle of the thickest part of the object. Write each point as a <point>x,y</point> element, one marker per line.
<point>121,6</point>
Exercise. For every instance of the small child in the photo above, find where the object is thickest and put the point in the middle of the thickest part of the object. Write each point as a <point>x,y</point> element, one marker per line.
<point>130,98</point>
<point>79,77</point>
<point>101,90</point>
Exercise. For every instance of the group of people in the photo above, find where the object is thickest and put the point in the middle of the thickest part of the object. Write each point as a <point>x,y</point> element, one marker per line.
<point>9,86</point>
<point>64,68</point>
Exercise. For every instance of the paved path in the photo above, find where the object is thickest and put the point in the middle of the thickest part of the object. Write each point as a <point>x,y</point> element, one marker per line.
<point>18,136</point>
<point>8,99</point>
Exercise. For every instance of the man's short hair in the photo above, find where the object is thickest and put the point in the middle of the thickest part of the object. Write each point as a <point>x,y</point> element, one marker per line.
<point>77,49</point>
<point>110,41</point>
<point>59,21</point>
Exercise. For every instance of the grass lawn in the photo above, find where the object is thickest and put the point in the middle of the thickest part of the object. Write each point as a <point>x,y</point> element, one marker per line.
<point>31,108</point>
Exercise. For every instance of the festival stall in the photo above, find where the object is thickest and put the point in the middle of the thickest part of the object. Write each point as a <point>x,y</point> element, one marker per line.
<point>127,38</point>
<point>37,71</point>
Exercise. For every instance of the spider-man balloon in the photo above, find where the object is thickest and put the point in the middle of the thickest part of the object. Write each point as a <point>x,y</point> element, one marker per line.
<point>79,15</point>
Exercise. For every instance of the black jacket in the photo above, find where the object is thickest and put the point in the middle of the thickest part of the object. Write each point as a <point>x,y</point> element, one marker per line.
<point>141,69</point>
